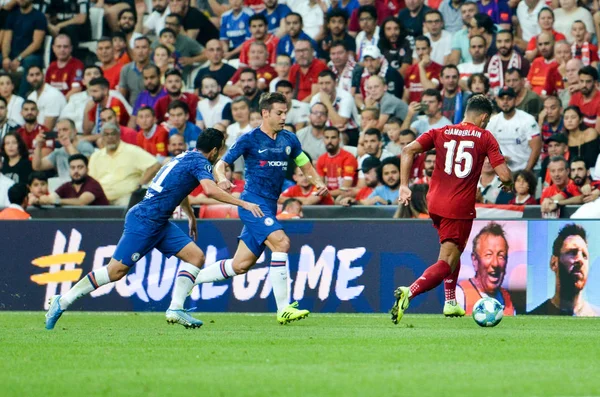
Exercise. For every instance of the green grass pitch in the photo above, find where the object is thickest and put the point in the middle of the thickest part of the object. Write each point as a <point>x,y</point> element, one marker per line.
<point>113,354</point>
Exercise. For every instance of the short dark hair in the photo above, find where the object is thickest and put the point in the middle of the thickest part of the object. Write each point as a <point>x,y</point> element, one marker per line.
<point>423,38</point>
<point>430,152</point>
<point>371,10</point>
<point>94,67</point>
<point>295,14</point>
<point>449,66</point>
<point>493,229</point>
<point>434,11</point>
<point>394,160</point>
<point>210,139</point>
<point>152,66</point>
<point>173,72</point>
<point>17,193</point>
<point>167,30</point>
<point>477,36</point>
<point>327,73</point>
<point>179,18</point>
<point>29,102</point>
<point>258,17</point>
<point>589,71</point>
<point>373,131</point>
<point>39,175</point>
<point>148,109</point>
<point>578,158</point>
<point>394,120</point>
<point>268,99</point>
<point>530,178</point>
<point>119,35</point>
<point>34,67</point>
<point>332,128</point>
<point>480,104</point>
<point>208,76</point>
<point>104,110</point>
<point>289,202</point>
<point>179,105</point>
<point>143,38</point>
<point>249,70</point>
<point>338,43</point>
<point>408,132</point>
<point>284,84</point>
<point>336,13</point>
<point>128,10</point>
<point>514,70</point>
<point>432,92</point>
<point>79,156</point>
<point>567,231</point>
<point>4,74</point>
<point>508,32</point>
<point>101,81</point>
<point>105,39</point>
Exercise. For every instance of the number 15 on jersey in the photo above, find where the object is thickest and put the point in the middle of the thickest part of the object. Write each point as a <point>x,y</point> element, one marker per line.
<point>458,160</point>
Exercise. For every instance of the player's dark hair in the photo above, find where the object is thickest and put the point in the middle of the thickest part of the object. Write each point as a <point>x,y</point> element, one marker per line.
<point>394,160</point>
<point>479,104</point>
<point>332,128</point>
<point>35,67</point>
<point>589,71</point>
<point>251,71</point>
<point>492,229</point>
<point>431,152</point>
<point>425,39</point>
<point>258,17</point>
<point>480,76</point>
<point>28,102</point>
<point>179,105</point>
<point>172,72</point>
<point>336,13</point>
<point>79,156</point>
<point>514,70</point>
<point>284,84</point>
<point>374,131</point>
<point>148,109</point>
<point>371,10</point>
<point>327,73</point>
<point>21,145</point>
<point>17,193</point>
<point>508,32</point>
<point>210,139</point>
<point>85,69</point>
<point>394,120</point>
<point>289,202</point>
<point>529,178</point>
<point>39,175</point>
<point>579,158</point>
<point>295,14</point>
<point>128,10</point>
<point>432,92</point>
<point>408,132</point>
<point>567,231</point>
<point>268,99</point>
<point>101,81</point>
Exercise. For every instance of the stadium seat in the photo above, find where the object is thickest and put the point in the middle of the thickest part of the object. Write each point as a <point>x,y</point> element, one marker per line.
<point>96,18</point>
<point>218,211</point>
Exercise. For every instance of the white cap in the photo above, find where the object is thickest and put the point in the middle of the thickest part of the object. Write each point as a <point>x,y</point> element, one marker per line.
<point>371,51</point>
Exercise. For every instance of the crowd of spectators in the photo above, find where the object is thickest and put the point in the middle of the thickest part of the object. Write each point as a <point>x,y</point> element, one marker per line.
<point>363,79</point>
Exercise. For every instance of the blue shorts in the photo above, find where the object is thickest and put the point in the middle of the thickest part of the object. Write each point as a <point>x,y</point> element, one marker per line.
<point>140,238</point>
<point>256,230</point>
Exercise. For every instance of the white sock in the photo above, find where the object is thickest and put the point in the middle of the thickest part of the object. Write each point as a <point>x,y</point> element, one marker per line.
<point>183,285</point>
<point>279,279</point>
<point>89,283</point>
<point>217,271</point>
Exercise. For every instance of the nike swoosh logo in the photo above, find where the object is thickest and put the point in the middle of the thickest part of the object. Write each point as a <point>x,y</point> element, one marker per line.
<point>264,150</point>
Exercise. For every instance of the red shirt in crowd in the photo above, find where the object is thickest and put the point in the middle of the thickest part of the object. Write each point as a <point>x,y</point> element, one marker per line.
<point>303,82</point>
<point>334,169</point>
<point>532,45</point>
<point>161,106</point>
<point>67,191</point>
<point>157,143</point>
<point>452,191</point>
<point>115,104</point>
<point>590,110</point>
<point>593,54</point>
<point>238,187</point>
<point>29,137</point>
<point>412,82</point>
<point>384,9</point>
<point>296,191</point>
<point>267,73</point>
<point>544,77</point>
<point>571,190</point>
<point>129,135</point>
<point>364,193</point>
<point>113,74</point>
<point>63,78</point>
<point>271,43</point>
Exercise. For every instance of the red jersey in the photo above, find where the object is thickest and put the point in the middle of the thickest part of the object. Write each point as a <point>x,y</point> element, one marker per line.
<point>461,150</point>
<point>161,106</point>
<point>113,74</point>
<point>544,77</point>
<point>267,73</point>
<point>571,190</point>
<point>116,105</point>
<point>157,143</point>
<point>303,82</point>
<point>123,59</point>
<point>238,187</point>
<point>271,43</point>
<point>364,193</point>
<point>412,82</point>
<point>296,191</point>
<point>334,169</point>
<point>129,135</point>
<point>589,108</point>
<point>63,78</point>
<point>532,45</point>
<point>29,137</point>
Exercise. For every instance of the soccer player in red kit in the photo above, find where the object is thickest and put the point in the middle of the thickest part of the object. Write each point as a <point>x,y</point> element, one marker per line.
<point>460,152</point>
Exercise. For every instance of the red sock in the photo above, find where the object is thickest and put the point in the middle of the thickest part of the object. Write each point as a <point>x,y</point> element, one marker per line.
<point>431,278</point>
<point>450,283</point>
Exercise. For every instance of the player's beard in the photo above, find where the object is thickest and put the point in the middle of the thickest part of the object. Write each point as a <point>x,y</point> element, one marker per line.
<point>570,282</point>
<point>331,149</point>
<point>30,120</point>
<point>579,181</point>
<point>429,172</point>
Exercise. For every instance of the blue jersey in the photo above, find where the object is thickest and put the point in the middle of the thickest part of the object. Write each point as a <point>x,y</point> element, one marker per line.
<point>173,182</point>
<point>274,18</point>
<point>266,160</point>
<point>190,134</point>
<point>236,29</point>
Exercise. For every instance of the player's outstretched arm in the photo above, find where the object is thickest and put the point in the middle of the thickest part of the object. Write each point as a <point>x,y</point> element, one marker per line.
<point>505,176</point>
<point>219,173</point>
<point>406,162</point>
<point>213,191</point>
<point>314,178</point>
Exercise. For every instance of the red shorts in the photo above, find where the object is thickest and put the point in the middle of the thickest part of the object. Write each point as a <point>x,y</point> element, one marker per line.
<point>455,230</point>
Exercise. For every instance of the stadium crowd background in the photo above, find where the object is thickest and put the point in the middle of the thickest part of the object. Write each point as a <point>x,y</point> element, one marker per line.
<point>96,96</point>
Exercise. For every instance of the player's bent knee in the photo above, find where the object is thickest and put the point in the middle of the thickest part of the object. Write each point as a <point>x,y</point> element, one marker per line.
<point>280,243</point>
<point>116,270</point>
<point>242,267</point>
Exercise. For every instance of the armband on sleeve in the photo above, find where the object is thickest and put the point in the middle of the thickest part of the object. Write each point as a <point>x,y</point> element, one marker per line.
<point>301,160</point>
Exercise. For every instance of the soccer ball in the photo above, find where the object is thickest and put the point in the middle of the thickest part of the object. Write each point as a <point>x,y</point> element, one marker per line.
<point>488,312</point>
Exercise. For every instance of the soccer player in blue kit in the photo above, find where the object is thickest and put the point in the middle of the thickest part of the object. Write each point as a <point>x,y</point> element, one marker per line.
<point>147,226</point>
<point>266,152</point>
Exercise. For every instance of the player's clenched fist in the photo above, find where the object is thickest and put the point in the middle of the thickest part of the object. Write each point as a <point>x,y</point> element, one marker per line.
<point>225,184</point>
<point>405,195</point>
<point>254,208</point>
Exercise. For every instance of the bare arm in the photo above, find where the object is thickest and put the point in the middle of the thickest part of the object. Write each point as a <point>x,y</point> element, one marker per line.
<point>38,162</point>
<point>50,122</point>
<point>454,57</point>
<point>217,8</point>
<point>232,90</point>
<point>149,173</point>
<point>423,77</point>
<point>187,208</point>
<point>215,192</point>
<point>406,161</point>
<point>313,177</point>
<point>504,174</point>
<point>8,34</point>
<point>536,147</point>
<point>78,19</point>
